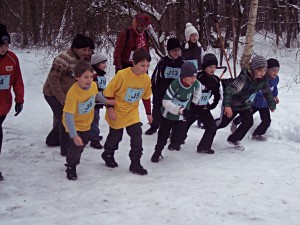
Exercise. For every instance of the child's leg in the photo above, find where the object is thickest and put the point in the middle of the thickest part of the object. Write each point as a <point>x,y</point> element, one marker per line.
<point>178,135</point>
<point>192,117</point>
<point>94,134</point>
<point>2,118</point>
<point>136,144</point>
<point>163,134</point>
<point>265,121</point>
<point>209,133</point>
<point>156,115</point>
<point>224,120</point>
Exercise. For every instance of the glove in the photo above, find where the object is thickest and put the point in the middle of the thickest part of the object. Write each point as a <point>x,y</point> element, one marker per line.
<point>18,108</point>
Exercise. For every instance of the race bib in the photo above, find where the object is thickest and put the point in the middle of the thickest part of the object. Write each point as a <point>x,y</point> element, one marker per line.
<point>172,72</point>
<point>194,61</point>
<point>251,98</point>
<point>4,82</point>
<point>179,103</point>
<point>86,107</point>
<point>133,95</point>
<point>203,99</point>
<point>101,81</point>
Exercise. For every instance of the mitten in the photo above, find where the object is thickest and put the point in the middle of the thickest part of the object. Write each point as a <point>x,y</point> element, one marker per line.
<point>18,108</point>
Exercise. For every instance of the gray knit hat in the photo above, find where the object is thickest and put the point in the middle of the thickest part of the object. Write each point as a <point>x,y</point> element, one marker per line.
<point>258,62</point>
<point>98,58</point>
<point>188,70</point>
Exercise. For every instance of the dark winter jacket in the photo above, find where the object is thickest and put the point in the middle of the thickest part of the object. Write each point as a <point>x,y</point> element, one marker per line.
<point>193,53</point>
<point>240,94</point>
<point>167,70</point>
<point>259,101</point>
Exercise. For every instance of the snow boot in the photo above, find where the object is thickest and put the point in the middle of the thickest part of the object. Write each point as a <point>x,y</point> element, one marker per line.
<point>155,157</point>
<point>207,151</point>
<point>1,176</point>
<point>237,145</point>
<point>174,146</point>
<point>259,138</point>
<point>137,168</point>
<point>109,160</point>
<point>96,145</point>
<point>71,172</point>
<point>151,130</point>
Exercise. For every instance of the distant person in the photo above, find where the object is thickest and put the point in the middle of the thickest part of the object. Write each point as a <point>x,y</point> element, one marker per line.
<point>130,39</point>
<point>79,113</point>
<point>166,70</point>
<point>260,105</point>
<point>127,88</point>
<point>10,78</point>
<point>58,82</point>
<point>239,95</point>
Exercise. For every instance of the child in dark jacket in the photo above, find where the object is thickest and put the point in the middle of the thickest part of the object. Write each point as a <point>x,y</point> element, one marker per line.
<point>98,62</point>
<point>239,95</point>
<point>260,105</point>
<point>200,107</point>
<point>167,70</point>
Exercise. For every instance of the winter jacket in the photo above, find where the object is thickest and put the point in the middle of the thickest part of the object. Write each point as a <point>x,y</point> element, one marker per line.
<point>60,77</point>
<point>259,101</point>
<point>10,77</point>
<point>124,47</point>
<point>194,52</point>
<point>166,70</point>
<point>240,94</point>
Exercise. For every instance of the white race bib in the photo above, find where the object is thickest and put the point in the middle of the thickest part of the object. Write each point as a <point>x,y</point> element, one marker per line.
<point>86,107</point>
<point>4,82</point>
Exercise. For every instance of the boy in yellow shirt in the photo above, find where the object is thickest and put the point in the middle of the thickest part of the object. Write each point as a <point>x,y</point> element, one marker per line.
<point>127,88</point>
<point>79,113</point>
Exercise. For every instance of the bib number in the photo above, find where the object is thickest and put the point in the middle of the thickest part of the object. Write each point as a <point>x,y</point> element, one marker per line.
<point>179,103</point>
<point>86,107</point>
<point>4,82</point>
<point>101,82</point>
<point>194,61</point>
<point>204,99</point>
<point>173,73</point>
<point>133,95</point>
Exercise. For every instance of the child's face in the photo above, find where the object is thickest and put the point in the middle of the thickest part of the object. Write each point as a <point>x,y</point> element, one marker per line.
<point>141,67</point>
<point>103,65</point>
<point>260,72</point>
<point>189,80</point>
<point>175,53</point>
<point>3,49</point>
<point>86,79</point>
<point>210,70</point>
<point>273,72</point>
<point>194,38</point>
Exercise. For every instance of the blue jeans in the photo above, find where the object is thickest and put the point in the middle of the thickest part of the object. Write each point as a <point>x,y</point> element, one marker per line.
<point>95,131</point>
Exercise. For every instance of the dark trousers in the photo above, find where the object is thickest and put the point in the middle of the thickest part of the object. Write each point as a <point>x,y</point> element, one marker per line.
<point>95,131</point>
<point>265,117</point>
<point>74,151</point>
<point>2,118</point>
<point>156,111</point>
<point>178,133</point>
<point>209,125</point>
<point>57,109</point>
<point>241,131</point>
<point>115,136</point>
<point>52,138</point>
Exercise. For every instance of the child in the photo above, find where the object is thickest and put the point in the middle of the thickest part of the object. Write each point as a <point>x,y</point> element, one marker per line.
<point>127,88</point>
<point>200,108</point>
<point>167,69</point>
<point>238,97</point>
<point>175,104</point>
<point>79,112</point>
<point>98,62</point>
<point>259,104</point>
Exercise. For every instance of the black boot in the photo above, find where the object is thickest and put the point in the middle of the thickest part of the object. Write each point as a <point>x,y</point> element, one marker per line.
<point>96,145</point>
<point>137,168</point>
<point>1,177</point>
<point>109,160</point>
<point>71,172</point>
<point>174,146</point>
<point>155,156</point>
<point>151,130</point>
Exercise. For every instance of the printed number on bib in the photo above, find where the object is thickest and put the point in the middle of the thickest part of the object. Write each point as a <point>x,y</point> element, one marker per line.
<point>172,72</point>
<point>194,61</point>
<point>204,99</point>
<point>101,82</point>
<point>133,95</point>
<point>4,82</point>
<point>86,107</point>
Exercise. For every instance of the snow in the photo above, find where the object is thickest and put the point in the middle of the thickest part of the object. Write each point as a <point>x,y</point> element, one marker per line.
<point>258,186</point>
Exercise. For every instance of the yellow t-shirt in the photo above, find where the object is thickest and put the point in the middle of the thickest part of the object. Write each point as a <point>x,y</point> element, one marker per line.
<point>127,89</point>
<point>81,103</point>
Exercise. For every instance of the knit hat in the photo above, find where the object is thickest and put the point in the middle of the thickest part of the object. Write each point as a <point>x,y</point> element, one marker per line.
<point>188,70</point>
<point>92,44</point>
<point>142,19</point>
<point>98,58</point>
<point>273,63</point>
<point>172,44</point>
<point>80,41</point>
<point>4,35</point>
<point>208,60</point>
<point>189,30</point>
<point>258,62</point>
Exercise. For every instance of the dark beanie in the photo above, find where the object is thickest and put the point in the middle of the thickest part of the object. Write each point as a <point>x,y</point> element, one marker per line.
<point>258,62</point>
<point>273,63</point>
<point>80,41</point>
<point>4,35</point>
<point>172,44</point>
<point>188,70</point>
<point>92,44</point>
<point>209,59</point>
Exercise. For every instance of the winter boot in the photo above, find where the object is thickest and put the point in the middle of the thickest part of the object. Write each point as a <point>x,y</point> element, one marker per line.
<point>151,130</point>
<point>71,172</point>
<point>174,146</point>
<point>259,138</point>
<point>206,151</point>
<point>109,160</point>
<point>155,157</point>
<point>1,177</point>
<point>237,145</point>
<point>137,168</point>
<point>96,145</point>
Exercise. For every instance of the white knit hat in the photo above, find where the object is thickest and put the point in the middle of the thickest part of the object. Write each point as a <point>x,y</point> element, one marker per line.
<point>189,30</point>
<point>98,58</point>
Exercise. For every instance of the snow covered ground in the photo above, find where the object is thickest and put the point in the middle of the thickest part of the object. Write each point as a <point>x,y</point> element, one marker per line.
<point>257,186</point>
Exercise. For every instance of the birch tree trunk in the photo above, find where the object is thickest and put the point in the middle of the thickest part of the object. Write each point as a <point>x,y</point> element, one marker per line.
<point>245,61</point>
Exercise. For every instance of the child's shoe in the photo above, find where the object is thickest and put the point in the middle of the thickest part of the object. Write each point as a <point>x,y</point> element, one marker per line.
<point>259,138</point>
<point>109,160</point>
<point>71,172</point>
<point>206,151</point>
<point>1,176</point>
<point>137,168</point>
<point>151,130</point>
<point>174,146</point>
<point>237,145</point>
<point>96,145</point>
<point>155,157</point>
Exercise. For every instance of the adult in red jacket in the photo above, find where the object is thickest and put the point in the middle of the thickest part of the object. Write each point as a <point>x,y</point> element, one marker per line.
<point>130,39</point>
<point>10,77</point>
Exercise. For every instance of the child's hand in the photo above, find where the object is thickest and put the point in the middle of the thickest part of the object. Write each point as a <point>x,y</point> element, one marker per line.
<point>228,112</point>
<point>110,102</point>
<point>276,100</point>
<point>150,119</point>
<point>111,113</point>
<point>272,110</point>
<point>78,141</point>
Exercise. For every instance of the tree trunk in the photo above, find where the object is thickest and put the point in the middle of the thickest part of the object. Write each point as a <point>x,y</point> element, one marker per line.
<point>288,25</point>
<point>24,22</point>
<point>35,26</point>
